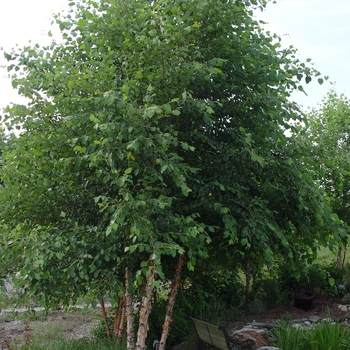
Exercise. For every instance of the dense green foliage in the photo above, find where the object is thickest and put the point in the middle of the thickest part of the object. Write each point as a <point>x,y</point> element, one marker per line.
<point>326,137</point>
<point>153,129</point>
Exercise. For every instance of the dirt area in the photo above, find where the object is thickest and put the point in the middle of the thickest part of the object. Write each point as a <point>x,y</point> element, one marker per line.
<point>77,324</point>
<point>21,328</point>
<point>321,307</point>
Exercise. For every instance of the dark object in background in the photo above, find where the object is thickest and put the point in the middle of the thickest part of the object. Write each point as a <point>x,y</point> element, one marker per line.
<point>303,300</point>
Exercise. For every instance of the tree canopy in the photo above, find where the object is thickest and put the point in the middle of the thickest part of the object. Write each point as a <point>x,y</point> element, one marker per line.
<point>326,139</point>
<point>154,130</point>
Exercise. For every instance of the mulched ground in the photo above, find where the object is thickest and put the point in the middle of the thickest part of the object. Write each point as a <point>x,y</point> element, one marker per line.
<point>321,307</point>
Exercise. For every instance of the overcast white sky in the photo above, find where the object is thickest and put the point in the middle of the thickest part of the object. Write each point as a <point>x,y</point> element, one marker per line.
<point>320,29</point>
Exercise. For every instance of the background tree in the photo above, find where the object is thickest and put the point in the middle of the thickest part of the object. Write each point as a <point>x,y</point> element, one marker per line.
<point>154,136</point>
<point>326,139</point>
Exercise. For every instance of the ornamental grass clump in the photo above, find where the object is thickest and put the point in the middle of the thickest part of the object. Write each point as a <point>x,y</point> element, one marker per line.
<point>288,337</point>
<point>327,335</point>
<point>77,344</point>
<point>323,336</point>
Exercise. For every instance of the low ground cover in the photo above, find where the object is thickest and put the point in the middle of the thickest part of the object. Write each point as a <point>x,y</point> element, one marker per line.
<point>325,335</point>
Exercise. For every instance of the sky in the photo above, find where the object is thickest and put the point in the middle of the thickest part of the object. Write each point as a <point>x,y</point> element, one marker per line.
<point>319,29</point>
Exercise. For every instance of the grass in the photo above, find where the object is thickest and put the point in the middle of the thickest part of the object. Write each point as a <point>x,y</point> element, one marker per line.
<point>39,330</point>
<point>52,335</point>
<point>327,256</point>
<point>80,344</point>
<point>322,336</point>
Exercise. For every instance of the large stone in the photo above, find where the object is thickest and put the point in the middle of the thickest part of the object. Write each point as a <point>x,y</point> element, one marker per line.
<point>245,334</point>
<point>268,348</point>
<point>314,319</point>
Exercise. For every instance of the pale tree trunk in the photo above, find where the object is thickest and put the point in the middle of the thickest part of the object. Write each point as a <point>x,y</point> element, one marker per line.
<point>169,309</point>
<point>102,303</point>
<point>145,310</point>
<point>119,317</point>
<point>121,323</point>
<point>130,343</point>
<point>117,313</point>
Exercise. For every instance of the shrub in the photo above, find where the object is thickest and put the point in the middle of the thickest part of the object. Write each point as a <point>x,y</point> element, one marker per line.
<point>223,286</point>
<point>99,331</point>
<point>268,293</point>
<point>346,299</point>
<point>325,279</point>
<point>319,279</point>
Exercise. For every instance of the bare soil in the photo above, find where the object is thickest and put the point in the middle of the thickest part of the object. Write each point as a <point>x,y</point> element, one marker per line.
<point>77,324</point>
<point>22,328</point>
<point>325,308</point>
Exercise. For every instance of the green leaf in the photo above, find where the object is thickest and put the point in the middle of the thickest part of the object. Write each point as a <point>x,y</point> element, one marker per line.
<point>196,25</point>
<point>308,79</point>
<point>82,22</point>
<point>132,248</point>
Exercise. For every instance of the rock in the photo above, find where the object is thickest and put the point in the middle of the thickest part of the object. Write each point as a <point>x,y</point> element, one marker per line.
<point>345,323</point>
<point>261,325</point>
<point>271,340</point>
<point>242,335</point>
<point>9,288</point>
<point>343,308</point>
<point>261,331</point>
<point>268,348</point>
<point>301,320</point>
<point>314,319</point>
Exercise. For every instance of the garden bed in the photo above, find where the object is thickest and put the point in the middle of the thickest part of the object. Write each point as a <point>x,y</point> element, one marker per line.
<point>77,324</point>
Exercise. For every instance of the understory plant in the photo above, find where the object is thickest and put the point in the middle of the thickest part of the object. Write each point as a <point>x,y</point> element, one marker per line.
<point>77,344</point>
<point>322,336</point>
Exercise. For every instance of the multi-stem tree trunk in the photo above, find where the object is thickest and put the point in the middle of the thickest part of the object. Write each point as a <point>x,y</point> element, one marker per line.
<point>171,302</point>
<point>119,318</point>
<point>117,315</point>
<point>130,343</point>
<point>102,303</point>
<point>145,310</point>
